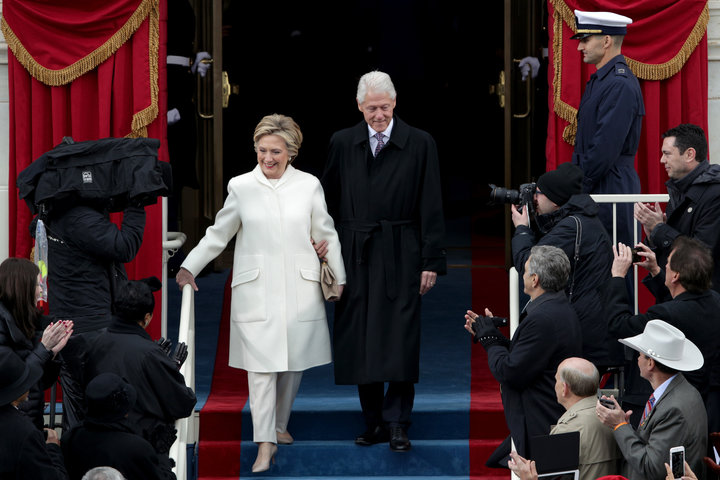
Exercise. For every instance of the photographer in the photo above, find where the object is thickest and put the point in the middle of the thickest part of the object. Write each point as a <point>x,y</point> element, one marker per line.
<point>549,332</point>
<point>567,219</point>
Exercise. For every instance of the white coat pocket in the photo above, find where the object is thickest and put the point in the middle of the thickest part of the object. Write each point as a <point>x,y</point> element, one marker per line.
<point>310,302</point>
<point>248,293</point>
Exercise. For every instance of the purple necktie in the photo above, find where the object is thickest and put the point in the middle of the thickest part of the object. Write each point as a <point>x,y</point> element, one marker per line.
<point>380,143</point>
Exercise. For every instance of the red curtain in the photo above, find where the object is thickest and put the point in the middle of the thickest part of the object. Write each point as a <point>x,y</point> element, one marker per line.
<point>87,69</point>
<point>666,47</point>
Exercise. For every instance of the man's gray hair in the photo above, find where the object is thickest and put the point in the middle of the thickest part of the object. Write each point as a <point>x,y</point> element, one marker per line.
<point>103,473</point>
<point>551,265</point>
<point>376,82</point>
<point>580,383</point>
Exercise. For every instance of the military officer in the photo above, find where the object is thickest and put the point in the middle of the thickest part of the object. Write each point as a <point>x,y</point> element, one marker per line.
<point>609,117</point>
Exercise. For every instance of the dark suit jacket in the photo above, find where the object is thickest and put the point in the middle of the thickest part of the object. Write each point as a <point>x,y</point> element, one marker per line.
<point>678,418</point>
<point>696,314</point>
<point>526,370</point>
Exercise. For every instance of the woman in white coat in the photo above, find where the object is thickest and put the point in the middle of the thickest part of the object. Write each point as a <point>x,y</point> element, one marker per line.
<point>278,326</point>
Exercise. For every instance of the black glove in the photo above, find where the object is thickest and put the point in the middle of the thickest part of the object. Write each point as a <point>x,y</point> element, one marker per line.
<point>166,345</point>
<point>180,354</point>
<point>487,333</point>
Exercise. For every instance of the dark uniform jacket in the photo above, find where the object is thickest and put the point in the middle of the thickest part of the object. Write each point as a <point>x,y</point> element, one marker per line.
<point>24,455</point>
<point>588,273</point>
<point>162,397</point>
<point>84,247</point>
<point>389,216</point>
<point>111,444</point>
<point>608,134</point>
<point>33,353</point>
<point>692,211</point>
<point>547,335</point>
<point>697,315</point>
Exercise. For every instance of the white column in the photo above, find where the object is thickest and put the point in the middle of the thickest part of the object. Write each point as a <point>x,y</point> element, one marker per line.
<point>4,143</point>
<point>714,81</point>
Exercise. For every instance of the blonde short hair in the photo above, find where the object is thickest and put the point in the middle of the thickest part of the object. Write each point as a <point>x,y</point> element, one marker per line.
<point>282,126</point>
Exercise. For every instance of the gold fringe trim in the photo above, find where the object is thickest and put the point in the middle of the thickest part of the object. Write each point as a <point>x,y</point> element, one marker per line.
<point>563,110</point>
<point>645,71</point>
<point>665,70</point>
<point>66,75</point>
<point>648,71</point>
<point>145,117</point>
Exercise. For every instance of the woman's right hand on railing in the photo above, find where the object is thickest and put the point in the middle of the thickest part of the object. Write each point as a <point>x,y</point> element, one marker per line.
<point>56,335</point>
<point>184,277</point>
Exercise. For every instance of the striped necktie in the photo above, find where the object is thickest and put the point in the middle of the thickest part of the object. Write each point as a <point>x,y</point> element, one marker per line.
<point>648,407</point>
<point>380,143</point>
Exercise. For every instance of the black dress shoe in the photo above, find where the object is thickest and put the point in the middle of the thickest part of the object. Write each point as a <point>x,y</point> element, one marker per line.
<point>371,436</point>
<point>399,440</point>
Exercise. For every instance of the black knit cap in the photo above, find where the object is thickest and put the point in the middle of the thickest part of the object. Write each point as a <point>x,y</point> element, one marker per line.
<point>109,398</point>
<point>561,184</point>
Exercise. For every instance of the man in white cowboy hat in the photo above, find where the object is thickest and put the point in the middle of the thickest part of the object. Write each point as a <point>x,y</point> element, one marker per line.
<point>675,413</point>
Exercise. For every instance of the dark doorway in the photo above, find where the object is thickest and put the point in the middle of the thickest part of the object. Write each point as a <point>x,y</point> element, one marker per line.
<point>293,58</point>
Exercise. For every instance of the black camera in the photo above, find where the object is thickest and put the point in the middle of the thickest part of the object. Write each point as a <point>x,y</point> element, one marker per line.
<point>635,257</point>
<point>524,195</point>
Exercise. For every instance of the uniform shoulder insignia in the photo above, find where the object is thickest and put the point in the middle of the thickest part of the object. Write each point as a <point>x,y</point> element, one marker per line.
<point>621,70</point>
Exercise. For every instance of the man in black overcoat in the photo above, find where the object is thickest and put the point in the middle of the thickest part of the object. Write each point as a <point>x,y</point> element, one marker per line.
<point>549,332</point>
<point>694,309</point>
<point>382,186</point>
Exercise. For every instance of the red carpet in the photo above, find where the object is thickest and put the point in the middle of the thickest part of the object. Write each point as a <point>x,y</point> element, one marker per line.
<point>221,417</point>
<point>487,419</point>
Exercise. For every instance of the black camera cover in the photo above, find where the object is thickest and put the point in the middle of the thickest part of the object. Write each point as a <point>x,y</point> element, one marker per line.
<point>110,172</point>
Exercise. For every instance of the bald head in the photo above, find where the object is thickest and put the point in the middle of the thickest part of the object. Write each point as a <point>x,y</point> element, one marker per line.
<point>580,375</point>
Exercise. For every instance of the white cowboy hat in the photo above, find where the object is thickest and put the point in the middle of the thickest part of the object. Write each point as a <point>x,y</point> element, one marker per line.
<point>667,345</point>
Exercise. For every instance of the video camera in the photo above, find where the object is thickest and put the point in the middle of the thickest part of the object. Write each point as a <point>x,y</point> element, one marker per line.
<point>523,196</point>
<point>481,322</point>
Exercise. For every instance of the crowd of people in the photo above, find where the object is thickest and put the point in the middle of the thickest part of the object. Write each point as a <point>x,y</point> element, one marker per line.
<point>375,219</point>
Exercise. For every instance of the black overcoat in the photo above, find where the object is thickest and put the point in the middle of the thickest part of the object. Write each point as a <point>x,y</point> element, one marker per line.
<point>33,353</point>
<point>589,272</point>
<point>24,455</point>
<point>692,211</point>
<point>162,396</point>
<point>388,212</point>
<point>111,445</point>
<point>549,334</point>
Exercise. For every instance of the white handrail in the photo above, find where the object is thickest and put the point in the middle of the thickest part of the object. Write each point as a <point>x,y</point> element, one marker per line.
<point>185,426</point>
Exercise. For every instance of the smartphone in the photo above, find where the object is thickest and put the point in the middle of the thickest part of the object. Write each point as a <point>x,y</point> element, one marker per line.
<point>677,462</point>
<point>635,257</point>
<point>607,403</point>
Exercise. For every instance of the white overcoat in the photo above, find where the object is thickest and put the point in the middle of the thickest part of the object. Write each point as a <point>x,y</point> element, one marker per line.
<point>277,319</point>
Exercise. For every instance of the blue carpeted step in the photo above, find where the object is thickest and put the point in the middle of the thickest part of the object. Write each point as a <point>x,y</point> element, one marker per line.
<point>343,458</point>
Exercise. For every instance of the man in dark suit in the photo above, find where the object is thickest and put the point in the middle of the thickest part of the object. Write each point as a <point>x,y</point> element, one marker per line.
<point>694,189</point>
<point>549,332</point>
<point>674,414</point>
<point>694,309</point>
<point>609,118</point>
<point>382,187</point>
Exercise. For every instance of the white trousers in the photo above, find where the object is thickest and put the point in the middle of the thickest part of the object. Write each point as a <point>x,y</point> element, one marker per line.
<point>271,399</point>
